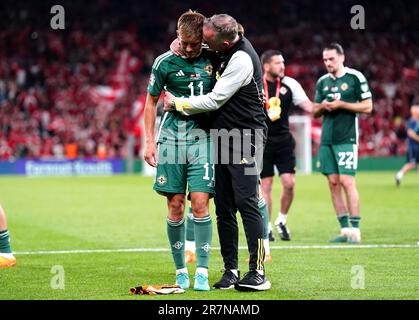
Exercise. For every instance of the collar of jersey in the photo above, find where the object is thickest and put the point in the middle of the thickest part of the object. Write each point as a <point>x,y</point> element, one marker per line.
<point>343,74</point>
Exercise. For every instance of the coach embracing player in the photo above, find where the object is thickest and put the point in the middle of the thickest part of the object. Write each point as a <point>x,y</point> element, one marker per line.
<point>237,105</point>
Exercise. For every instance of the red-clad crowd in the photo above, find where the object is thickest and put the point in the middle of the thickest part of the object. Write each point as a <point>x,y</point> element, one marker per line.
<point>80,92</point>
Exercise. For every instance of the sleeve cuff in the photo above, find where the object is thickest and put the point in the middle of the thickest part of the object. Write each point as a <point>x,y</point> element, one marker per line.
<point>181,104</point>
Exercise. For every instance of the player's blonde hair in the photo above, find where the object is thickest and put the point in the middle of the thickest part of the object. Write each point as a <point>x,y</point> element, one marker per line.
<point>190,23</point>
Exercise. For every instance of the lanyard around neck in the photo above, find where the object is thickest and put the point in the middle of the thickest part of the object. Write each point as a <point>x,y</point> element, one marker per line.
<point>265,87</point>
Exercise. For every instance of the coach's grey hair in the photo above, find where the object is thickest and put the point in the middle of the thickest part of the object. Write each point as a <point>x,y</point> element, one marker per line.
<point>224,25</point>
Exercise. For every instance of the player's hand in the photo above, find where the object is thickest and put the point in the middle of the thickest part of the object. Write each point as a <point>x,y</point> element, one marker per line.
<point>331,106</point>
<point>150,154</point>
<point>176,48</point>
<point>169,100</point>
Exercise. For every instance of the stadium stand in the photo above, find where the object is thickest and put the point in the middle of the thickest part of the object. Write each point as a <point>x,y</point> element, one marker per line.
<point>79,92</point>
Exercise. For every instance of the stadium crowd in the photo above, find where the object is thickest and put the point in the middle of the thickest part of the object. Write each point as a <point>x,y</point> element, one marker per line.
<point>79,92</point>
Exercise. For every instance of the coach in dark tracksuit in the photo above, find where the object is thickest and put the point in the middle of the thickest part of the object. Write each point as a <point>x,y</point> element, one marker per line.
<point>237,104</point>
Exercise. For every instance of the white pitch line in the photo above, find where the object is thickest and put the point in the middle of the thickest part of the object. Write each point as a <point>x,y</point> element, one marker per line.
<point>371,246</point>
<point>353,246</point>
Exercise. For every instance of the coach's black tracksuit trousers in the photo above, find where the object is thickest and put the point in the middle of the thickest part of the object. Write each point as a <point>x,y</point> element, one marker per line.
<point>235,190</point>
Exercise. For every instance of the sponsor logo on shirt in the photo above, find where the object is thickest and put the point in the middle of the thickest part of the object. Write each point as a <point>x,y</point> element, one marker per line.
<point>180,73</point>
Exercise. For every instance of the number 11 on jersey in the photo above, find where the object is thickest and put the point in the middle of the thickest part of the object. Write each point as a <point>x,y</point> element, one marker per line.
<point>200,86</point>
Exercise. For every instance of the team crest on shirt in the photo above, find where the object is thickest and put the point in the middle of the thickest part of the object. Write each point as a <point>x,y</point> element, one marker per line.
<point>152,79</point>
<point>208,69</point>
<point>344,86</point>
<point>283,91</point>
<point>364,87</point>
<point>161,180</point>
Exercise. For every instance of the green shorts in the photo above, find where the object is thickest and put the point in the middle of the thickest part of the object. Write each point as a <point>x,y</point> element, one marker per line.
<point>338,159</point>
<point>184,168</point>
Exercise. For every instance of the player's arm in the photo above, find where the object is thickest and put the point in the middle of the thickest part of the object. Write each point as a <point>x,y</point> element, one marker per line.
<point>318,107</point>
<point>150,154</point>
<point>299,96</point>
<point>238,73</point>
<point>318,110</point>
<point>363,95</point>
<point>307,106</point>
<point>155,87</point>
<point>364,106</point>
<point>412,134</point>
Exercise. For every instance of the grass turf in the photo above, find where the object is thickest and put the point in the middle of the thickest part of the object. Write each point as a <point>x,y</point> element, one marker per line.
<point>82,213</point>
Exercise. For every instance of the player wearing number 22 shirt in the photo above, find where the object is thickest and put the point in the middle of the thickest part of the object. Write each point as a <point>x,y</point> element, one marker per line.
<point>341,95</point>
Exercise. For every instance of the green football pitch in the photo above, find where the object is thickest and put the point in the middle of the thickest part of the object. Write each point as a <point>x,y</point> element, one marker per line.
<point>69,236</point>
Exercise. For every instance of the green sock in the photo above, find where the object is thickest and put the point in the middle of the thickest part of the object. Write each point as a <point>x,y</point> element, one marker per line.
<point>5,242</point>
<point>176,234</point>
<point>355,221</point>
<point>190,227</point>
<point>203,237</point>
<point>343,221</point>
<point>263,209</point>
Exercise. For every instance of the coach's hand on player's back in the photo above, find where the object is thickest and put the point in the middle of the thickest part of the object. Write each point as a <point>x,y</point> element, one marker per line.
<point>150,154</point>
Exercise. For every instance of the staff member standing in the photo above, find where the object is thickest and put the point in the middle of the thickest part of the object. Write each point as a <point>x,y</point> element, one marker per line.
<point>237,103</point>
<point>281,95</point>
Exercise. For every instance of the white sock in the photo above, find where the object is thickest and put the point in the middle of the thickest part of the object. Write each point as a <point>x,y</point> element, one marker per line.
<point>183,270</point>
<point>235,272</point>
<point>345,231</point>
<point>270,227</point>
<point>266,245</point>
<point>356,230</point>
<point>190,246</point>
<point>7,255</point>
<point>203,271</point>
<point>282,218</point>
<point>400,175</point>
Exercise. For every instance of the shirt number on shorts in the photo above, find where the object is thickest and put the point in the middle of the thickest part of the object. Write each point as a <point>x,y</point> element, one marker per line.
<point>206,167</point>
<point>346,159</point>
